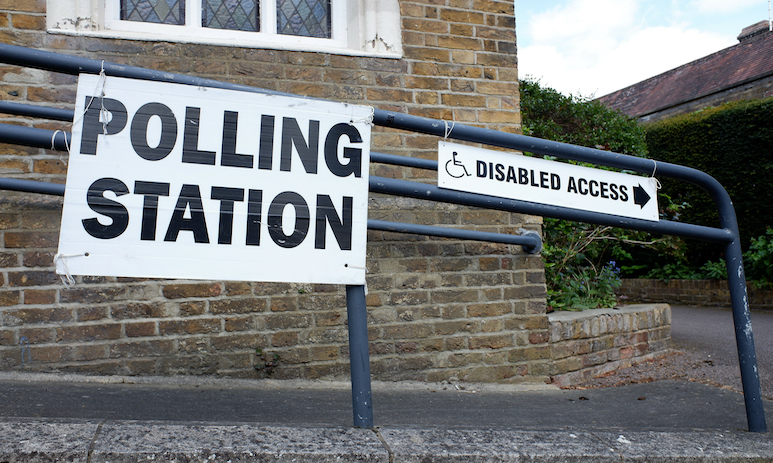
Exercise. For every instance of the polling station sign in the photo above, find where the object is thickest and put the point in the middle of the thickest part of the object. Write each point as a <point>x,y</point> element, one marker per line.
<point>176,181</point>
<point>507,175</point>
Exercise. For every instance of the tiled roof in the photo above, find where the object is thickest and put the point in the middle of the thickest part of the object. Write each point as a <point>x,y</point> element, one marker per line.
<point>747,61</point>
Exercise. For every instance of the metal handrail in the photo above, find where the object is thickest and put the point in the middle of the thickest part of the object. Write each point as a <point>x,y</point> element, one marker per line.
<point>727,233</point>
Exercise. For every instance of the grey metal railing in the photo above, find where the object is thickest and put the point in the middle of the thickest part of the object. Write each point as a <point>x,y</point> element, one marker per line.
<point>726,234</point>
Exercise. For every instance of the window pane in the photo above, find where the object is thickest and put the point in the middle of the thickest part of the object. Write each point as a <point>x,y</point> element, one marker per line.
<point>154,11</point>
<point>309,18</point>
<point>239,15</point>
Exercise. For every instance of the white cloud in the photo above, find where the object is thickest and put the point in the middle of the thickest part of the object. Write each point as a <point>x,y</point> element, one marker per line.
<point>724,6</point>
<point>592,18</point>
<point>599,46</point>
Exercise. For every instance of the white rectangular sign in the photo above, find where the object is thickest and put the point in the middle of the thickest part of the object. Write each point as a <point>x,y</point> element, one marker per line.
<point>177,181</point>
<point>536,180</point>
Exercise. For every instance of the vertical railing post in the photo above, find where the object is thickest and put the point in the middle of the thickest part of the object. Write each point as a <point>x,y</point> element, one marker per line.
<point>747,357</point>
<point>359,358</point>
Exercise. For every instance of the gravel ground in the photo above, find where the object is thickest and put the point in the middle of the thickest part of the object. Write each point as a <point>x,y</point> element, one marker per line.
<point>678,365</point>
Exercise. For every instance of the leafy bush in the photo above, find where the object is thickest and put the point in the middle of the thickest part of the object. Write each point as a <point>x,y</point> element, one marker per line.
<point>576,274</point>
<point>682,271</point>
<point>673,271</point>
<point>578,120</point>
<point>580,259</point>
<point>758,265</point>
<point>732,143</point>
<point>758,260</point>
<point>714,270</point>
<point>585,288</point>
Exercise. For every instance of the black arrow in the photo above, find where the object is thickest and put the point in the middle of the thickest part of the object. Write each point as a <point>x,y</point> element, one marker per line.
<point>640,196</point>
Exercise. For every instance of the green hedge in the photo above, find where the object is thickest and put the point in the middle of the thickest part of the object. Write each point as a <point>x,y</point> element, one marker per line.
<point>734,144</point>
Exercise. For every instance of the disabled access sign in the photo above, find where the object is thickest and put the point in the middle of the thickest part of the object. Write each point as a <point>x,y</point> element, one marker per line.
<point>514,176</point>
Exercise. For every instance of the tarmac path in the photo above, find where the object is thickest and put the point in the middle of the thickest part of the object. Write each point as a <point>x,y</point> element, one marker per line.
<point>708,332</point>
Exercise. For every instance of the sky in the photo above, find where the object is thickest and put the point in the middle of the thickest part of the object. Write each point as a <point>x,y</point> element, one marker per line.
<point>595,47</point>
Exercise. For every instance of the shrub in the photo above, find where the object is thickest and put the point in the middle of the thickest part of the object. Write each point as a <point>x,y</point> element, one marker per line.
<point>578,257</point>
<point>758,260</point>
<point>732,143</point>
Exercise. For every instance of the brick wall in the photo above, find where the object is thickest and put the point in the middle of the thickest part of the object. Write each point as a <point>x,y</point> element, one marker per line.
<point>592,342</point>
<point>438,309</point>
<point>691,292</point>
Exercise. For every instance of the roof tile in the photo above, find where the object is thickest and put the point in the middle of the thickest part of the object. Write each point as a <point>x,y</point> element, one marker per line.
<point>747,61</point>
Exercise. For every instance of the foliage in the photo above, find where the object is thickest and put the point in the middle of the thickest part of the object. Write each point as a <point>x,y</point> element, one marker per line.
<point>758,260</point>
<point>576,277</point>
<point>682,271</point>
<point>579,258</point>
<point>578,120</point>
<point>714,270</point>
<point>732,143</point>
<point>266,363</point>
<point>758,264</point>
<point>584,288</point>
<point>673,271</point>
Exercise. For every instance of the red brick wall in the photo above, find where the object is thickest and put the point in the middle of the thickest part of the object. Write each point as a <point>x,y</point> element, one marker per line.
<point>691,292</point>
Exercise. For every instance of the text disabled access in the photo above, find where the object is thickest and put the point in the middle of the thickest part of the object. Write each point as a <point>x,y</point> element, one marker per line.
<point>513,176</point>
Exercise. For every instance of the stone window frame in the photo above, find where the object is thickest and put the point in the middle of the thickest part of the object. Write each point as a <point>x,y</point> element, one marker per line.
<point>359,28</point>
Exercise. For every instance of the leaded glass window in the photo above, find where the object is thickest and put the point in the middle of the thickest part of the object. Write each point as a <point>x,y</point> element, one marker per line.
<point>304,18</point>
<point>239,15</point>
<point>154,11</point>
<point>308,18</point>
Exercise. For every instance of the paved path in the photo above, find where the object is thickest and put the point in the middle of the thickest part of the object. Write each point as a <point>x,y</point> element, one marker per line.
<point>709,332</point>
<point>657,406</point>
<point>65,418</point>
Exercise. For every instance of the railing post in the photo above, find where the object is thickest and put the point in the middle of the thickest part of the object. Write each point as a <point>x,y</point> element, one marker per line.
<point>747,357</point>
<point>359,358</point>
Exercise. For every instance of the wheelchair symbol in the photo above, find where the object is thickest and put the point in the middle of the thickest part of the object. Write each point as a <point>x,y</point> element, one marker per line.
<point>455,168</point>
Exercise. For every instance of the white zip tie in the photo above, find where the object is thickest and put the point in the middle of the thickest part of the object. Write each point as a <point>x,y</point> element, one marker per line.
<point>99,89</point>
<point>655,169</point>
<point>66,145</point>
<point>367,119</point>
<point>448,130</point>
<point>67,278</point>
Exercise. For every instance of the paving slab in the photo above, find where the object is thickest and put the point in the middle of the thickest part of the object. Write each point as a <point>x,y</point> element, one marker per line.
<point>462,446</point>
<point>707,446</point>
<point>94,420</point>
<point>130,442</point>
<point>45,440</point>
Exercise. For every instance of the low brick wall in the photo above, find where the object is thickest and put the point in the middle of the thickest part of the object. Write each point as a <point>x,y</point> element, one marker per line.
<point>592,342</point>
<point>690,292</point>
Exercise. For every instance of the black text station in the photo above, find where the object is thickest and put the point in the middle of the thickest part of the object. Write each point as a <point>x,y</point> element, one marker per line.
<point>321,210</point>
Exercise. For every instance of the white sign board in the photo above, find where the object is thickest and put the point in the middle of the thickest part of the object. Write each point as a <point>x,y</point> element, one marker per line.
<point>512,176</point>
<point>178,181</point>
